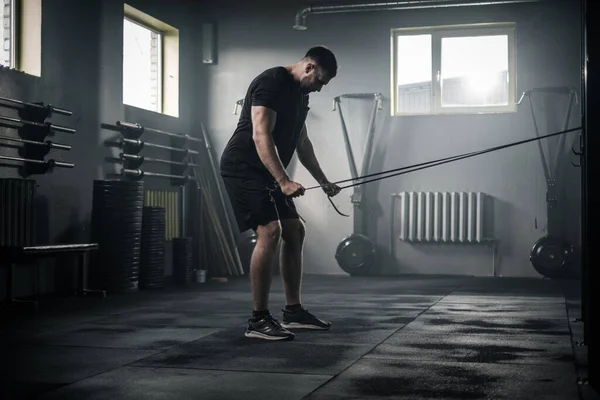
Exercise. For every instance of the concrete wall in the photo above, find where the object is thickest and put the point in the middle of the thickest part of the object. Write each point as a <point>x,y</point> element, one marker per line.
<point>253,37</point>
<point>82,44</point>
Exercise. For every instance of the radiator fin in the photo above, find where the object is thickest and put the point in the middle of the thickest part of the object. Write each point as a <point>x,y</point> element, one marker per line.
<point>170,200</point>
<point>454,217</point>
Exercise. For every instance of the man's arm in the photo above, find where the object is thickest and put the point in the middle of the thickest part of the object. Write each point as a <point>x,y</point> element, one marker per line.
<point>306,155</point>
<point>263,122</point>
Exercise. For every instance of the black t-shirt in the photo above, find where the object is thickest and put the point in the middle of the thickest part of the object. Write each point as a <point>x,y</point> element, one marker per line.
<point>276,89</point>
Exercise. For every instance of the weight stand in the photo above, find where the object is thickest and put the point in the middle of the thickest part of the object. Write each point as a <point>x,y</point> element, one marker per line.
<point>551,254</point>
<point>356,253</point>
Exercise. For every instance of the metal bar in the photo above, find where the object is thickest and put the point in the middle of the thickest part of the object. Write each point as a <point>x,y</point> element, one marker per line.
<point>592,127</point>
<point>135,157</point>
<point>584,175</point>
<point>138,173</point>
<point>46,125</point>
<point>550,89</point>
<point>371,134</point>
<point>562,138</point>
<point>137,142</point>
<point>48,143</point>
<point>50,163</point>
<point>547,172</point>
<point>352,162</point>
<point>358,96</point>
<point>222,199</point>
<point>23,104</point>
<point>140,128</point>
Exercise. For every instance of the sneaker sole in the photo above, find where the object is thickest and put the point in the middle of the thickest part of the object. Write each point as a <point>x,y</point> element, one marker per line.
<point>296,325</point>
<point>258,335</point>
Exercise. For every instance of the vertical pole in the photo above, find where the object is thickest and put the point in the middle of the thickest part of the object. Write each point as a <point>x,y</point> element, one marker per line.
<point>592,204</point>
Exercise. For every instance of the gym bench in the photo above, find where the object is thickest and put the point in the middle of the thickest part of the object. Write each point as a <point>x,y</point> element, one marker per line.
<point>14,256</point>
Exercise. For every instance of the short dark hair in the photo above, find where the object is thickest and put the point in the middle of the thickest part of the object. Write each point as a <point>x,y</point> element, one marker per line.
<point>324,58</point>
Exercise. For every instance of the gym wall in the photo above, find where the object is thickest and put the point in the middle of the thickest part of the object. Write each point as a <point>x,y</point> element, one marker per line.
<point>82,71</point>
<point>253,36</point>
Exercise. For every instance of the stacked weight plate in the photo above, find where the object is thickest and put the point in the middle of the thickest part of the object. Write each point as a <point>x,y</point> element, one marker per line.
<point>152,267</point>
<point>117,228</point>
<point>17,205</point>
<point>182,260</point>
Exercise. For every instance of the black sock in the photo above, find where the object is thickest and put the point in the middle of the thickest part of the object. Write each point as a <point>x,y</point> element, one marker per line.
<point>294,307</point>
<point>256,315</point>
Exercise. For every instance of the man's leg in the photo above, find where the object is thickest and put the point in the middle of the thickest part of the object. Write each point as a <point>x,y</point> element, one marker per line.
<point>290,260</point>
<point>261,265</point>
<point>254,209</point>
<point>292,235</point>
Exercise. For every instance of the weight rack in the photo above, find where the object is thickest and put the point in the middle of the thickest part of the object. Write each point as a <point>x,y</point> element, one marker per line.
<point>185,168</point>
<point>33,126</point>
<point>18,246</point>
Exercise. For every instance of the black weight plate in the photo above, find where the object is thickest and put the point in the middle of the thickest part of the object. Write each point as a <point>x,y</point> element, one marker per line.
<point>356,255</point>
<point>550,256</point>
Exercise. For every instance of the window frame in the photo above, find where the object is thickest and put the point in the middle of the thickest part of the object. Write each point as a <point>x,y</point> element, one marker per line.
<point>161,59</point>
<point>450,31</point>
<point>14,39</point>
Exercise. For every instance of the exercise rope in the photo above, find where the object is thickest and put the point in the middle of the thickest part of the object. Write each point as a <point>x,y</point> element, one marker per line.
<point>429,164</point>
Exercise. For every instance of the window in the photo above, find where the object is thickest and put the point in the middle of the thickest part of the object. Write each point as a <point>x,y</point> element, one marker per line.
<point>21,35</point>
<point>7,35</point>
<point>150,63</point>
<point>142,65</point>
<point>453,69</point>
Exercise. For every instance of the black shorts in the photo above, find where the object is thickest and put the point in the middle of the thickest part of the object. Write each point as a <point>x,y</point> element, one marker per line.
<point>254,204</point>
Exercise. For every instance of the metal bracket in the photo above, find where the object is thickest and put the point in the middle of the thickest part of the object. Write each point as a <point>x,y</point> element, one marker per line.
<point>552,193</point>
<point>577,153</point>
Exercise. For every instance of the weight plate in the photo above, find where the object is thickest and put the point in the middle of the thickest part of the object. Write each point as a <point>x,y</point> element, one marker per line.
<point>356,255</point>
<point>551,256</point>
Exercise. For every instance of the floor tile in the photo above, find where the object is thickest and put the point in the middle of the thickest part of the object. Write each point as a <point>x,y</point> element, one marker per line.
<point>132,383</point>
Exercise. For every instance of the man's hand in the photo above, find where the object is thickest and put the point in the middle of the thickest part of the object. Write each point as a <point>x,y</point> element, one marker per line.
<point>291,189</point>
<point>330,189</point>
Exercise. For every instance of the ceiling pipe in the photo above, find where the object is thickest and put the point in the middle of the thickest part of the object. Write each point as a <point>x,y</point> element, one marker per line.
<point>300,22</point>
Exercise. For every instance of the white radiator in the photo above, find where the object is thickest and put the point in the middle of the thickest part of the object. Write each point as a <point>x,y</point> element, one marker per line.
<point>460,217</point>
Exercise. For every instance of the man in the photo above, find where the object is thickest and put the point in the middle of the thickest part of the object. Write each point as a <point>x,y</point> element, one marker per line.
<point>270,130</point>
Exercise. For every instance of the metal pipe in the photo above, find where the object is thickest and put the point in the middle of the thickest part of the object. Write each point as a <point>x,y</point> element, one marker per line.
<point>141,129</point>
<point>370,134</point>
<point>46,125</point>
<point>49,163</point>
<point>137,142</point>
<point>23,104</point>
<point>138,173</point>
<point>303,13</point>
<point>562,138</point>
<point>47,143</point>
<point>351,161</point>
<point>135,157</point>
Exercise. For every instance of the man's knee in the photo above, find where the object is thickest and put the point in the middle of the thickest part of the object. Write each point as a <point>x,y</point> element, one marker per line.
<point>293,231</point>
<point>269,233</point>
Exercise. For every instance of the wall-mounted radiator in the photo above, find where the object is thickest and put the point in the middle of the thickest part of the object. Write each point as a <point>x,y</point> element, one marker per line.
<point>447,217</point>
<point>171,201</point>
